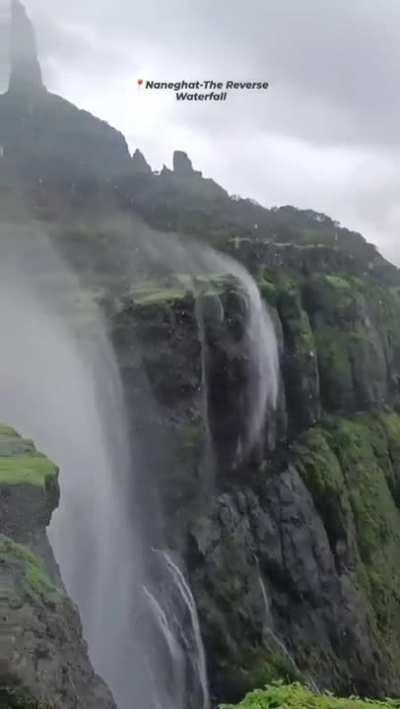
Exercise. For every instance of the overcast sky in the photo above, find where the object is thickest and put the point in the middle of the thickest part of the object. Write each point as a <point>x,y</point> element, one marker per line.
<point>324,136</point>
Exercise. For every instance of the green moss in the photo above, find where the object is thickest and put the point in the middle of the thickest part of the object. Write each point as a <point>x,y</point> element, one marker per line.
<point>177,286</point>
<point>349,467</point>
<point>20,463</point>
<point>268,291</point>
<point>321,472</point>
<point>259,666</point>
<point>12,445</point>
<point>7,430</point>
<point>375,512</point>
<point>158,296</point>
<point>271,668</point>
<point>337,281</point>
<point>35,579</point>
<point>335,368</point>
<point>342,282</point>
<point>36,470</point>
<point>296,696</point>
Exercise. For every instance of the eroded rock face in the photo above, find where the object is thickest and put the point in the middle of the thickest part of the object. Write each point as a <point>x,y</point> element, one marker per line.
<point>43,657</point>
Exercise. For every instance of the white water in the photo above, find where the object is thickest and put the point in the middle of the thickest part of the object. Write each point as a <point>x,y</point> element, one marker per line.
<point>198,655</point>
<point>59,385</point>
<point>270,635</point>
<point>62,389</point>
<point>268,631</point>
<point>177,686</point>
<point>166,252</point>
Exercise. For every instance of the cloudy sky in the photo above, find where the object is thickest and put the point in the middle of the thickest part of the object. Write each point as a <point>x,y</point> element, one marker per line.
<point>324,136</point>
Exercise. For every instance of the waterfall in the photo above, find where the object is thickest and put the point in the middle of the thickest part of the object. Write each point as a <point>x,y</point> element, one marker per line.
<point>269,635</point>
<point>177,618</point>
<point>60,385</point>
<point>189,602</point>
<point>259,345</point>
<point>177,682</point>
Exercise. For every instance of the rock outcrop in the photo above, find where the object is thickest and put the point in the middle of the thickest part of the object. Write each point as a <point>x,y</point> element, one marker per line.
<point>26,74</point>
<point>43,657</point>
<point>183,165</point>
<point>140,166</point>
<point>42,136</point>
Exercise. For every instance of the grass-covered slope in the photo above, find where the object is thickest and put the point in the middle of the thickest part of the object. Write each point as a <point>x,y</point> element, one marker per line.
<point>21,463</point>
<point>351,468</point>
<point>296,696</point>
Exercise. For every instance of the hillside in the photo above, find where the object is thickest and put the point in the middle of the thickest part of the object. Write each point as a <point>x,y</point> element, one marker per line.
<point>291,538</point>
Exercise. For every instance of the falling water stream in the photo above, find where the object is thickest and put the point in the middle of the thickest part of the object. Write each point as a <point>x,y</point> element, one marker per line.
<point>59,384</point>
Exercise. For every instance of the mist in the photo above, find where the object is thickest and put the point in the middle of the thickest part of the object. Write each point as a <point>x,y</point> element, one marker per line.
<point>62,388</point>
<point>60,385</point>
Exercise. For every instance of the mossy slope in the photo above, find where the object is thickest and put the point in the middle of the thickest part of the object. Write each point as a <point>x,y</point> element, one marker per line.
<point>21,463</point>
<point>351,467</point>
<point>296,696</point>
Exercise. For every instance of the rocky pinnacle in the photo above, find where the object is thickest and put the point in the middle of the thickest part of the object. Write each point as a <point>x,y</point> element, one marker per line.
<point>25,75</point>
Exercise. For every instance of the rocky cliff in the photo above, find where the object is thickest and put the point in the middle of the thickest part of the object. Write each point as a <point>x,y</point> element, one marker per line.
<point>292,551</point>
<point>43,658</point>
<point>293,556</point>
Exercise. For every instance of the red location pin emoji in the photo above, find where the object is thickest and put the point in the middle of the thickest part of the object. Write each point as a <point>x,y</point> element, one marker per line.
<point>140,82</point>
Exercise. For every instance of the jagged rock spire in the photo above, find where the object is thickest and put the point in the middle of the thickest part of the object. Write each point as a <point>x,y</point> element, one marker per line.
<point>140,164</point>
<point>183,165</point>
<point>26,74</point>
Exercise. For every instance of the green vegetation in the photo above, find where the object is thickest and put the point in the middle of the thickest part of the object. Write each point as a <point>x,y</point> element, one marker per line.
<point>177,286</point>
<point>343,281</point>
<point>35,580</point>
<point>295,696</point>
<point>21,464</point>
<point>150,297</point>
<point>348,466</point>
<point>7,430</point>
<point>36,470</point>
<point>262,666</point>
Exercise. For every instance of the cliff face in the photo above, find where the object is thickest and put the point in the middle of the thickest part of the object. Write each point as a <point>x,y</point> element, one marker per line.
<point>293,555</point>
<point>43,657</point>
<point>292,551</point>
